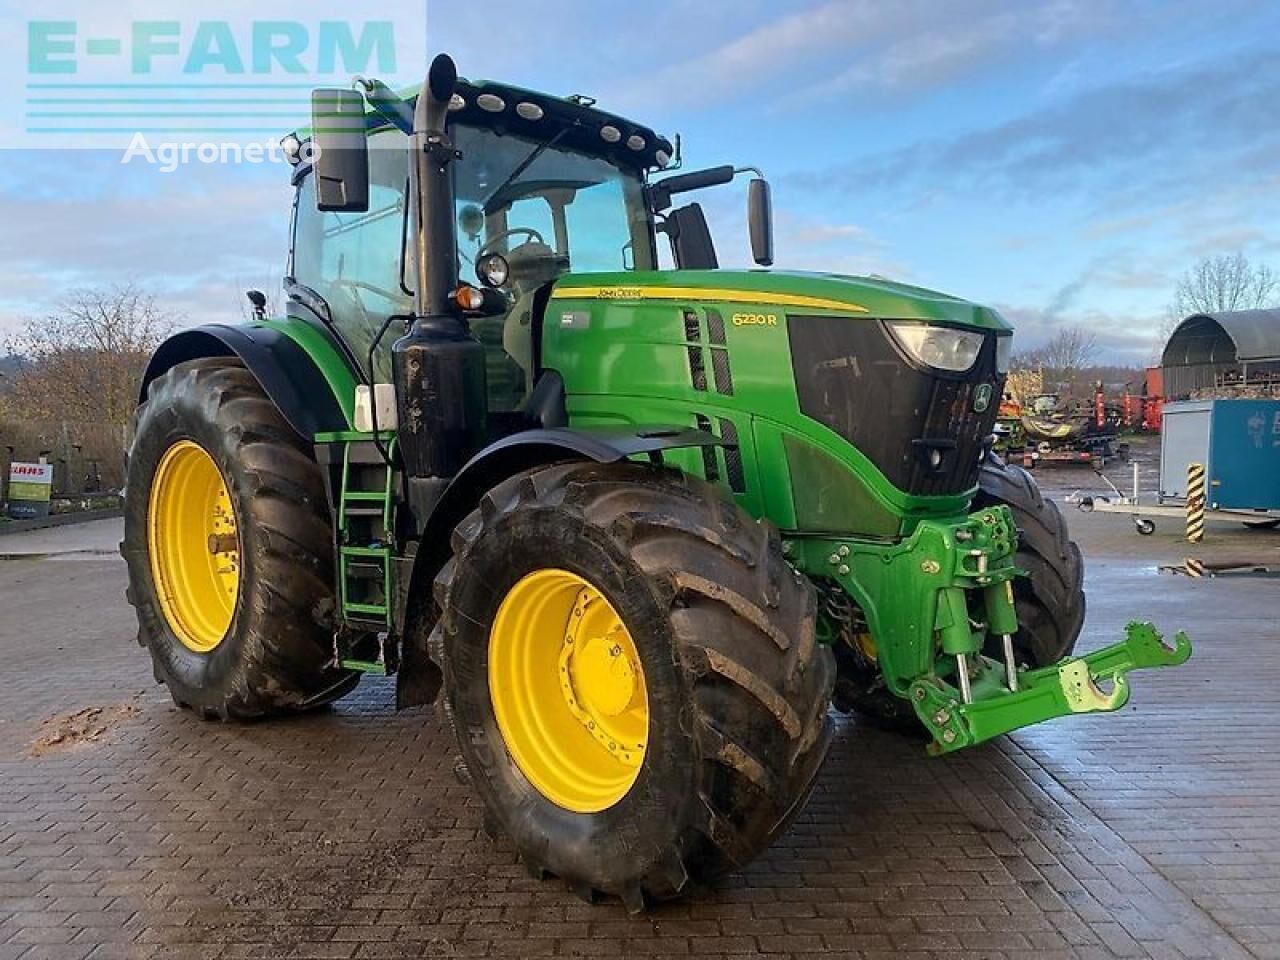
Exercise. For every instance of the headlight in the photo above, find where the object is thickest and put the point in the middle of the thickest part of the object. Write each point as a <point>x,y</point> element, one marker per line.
<point>493,270</point>
<point>942,347</point>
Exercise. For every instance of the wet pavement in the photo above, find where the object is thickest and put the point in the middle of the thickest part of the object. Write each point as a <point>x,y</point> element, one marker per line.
<point>130,829</point>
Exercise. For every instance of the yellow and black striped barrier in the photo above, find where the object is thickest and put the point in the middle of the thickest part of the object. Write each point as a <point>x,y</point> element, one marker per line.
<point>1197,495</point>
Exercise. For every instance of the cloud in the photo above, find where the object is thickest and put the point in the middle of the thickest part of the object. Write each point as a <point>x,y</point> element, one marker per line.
<point>1123,339</point>
<point>834,48</point>
<point>1134,137</point>
<point>187,237</point>
<point>839,45</point>
<point>1064,298</point>
<point>756,59</point>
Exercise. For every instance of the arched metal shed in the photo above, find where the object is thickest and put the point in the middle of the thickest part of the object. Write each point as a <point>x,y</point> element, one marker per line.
<point>1231,348</point>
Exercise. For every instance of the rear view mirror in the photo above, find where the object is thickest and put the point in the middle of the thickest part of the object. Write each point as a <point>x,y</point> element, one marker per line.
<point>341,150</point>
<point>760,221</point>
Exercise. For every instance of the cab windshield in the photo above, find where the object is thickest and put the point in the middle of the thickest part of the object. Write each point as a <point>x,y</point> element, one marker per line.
<point>546,210</point>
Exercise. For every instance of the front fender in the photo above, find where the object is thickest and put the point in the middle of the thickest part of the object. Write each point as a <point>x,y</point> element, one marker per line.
<point>533,448</point>
<point>419,678</point>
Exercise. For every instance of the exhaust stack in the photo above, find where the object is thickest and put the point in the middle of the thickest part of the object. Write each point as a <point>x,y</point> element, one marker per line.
<point>438,366</point>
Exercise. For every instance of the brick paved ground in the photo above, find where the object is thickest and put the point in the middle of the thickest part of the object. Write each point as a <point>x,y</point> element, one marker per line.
<point>1151,833</point>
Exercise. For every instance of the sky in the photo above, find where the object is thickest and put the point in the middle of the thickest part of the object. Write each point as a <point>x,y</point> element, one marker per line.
<point>1064,161</point>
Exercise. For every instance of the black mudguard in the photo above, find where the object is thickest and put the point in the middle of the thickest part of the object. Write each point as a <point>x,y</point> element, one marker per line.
<point>287,374</point>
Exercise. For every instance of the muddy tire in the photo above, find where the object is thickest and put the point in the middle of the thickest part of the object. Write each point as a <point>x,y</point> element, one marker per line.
<point>1050,601</point>
<point>274,655</point>
<point>724,633</point>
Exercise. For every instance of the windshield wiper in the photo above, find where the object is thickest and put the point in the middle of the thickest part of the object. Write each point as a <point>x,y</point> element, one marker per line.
<point>527,162</point>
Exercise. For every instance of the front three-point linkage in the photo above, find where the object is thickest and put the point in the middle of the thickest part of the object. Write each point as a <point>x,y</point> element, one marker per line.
<point>1089,684</point>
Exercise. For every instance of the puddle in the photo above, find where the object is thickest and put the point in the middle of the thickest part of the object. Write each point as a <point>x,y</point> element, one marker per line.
<point>1198,569</point>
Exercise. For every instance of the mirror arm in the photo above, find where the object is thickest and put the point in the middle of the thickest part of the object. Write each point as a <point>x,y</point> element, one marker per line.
<point>386,103</point>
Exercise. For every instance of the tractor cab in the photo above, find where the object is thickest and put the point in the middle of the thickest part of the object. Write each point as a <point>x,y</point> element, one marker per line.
<point>541,187</point>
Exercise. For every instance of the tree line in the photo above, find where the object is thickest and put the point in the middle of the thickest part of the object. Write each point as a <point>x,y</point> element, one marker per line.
<point>71,384</point>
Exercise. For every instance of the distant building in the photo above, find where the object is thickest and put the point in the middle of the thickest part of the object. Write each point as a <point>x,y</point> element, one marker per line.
<point>1232,351</point>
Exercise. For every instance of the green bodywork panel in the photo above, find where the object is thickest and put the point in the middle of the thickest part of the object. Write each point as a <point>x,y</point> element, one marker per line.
<point>932,581</point>
<point>324,353</point>
<point>856,295</point>
<point>619,340</point>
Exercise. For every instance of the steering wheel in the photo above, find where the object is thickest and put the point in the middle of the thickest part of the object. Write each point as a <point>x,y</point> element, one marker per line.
<point>532,234</point>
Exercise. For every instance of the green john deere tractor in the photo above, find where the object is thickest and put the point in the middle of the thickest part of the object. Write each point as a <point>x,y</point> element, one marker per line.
<point>641,527</point>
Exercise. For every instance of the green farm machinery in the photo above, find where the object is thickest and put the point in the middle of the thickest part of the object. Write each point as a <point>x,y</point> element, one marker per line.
<point>636,529</point>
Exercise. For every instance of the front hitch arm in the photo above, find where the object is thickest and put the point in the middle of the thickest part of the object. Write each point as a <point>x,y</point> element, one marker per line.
<point>1070,686</point>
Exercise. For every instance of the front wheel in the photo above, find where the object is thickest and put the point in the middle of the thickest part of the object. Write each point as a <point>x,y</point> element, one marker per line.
<point>632,674</point>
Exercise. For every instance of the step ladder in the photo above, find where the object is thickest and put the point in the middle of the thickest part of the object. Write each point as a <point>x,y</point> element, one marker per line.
<point>366,525</point>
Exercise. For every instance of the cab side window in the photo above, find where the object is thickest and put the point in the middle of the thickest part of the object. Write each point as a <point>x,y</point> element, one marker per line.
<point>353,260</point>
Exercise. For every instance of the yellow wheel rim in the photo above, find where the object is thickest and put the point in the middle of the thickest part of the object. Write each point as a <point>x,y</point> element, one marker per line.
<point>568,691</point>
<point>194,546</point>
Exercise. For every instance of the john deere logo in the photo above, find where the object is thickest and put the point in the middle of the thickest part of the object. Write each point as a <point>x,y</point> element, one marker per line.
<point>982,398</point>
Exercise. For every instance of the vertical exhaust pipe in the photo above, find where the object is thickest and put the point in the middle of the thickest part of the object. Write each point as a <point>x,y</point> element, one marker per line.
<point>436,241</point>
<point>438,366</point>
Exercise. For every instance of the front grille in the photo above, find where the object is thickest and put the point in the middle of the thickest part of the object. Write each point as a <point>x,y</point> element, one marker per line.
<point>951,417</point>
<point>851,376</point>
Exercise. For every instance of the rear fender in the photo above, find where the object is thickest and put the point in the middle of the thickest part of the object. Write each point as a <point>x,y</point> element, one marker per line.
<point>298,367</point>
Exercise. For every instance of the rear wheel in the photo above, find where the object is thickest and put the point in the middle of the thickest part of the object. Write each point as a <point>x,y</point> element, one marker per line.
<point>229,548</point>
<point>632,674</point>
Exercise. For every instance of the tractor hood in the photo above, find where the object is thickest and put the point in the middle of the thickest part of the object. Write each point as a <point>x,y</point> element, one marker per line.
<point>791,292</point>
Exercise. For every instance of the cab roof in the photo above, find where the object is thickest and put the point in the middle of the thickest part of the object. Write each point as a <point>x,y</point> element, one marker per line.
<point>573,121</point>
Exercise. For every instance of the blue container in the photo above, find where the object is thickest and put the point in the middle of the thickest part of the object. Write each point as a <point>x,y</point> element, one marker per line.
<point>1238,441</point>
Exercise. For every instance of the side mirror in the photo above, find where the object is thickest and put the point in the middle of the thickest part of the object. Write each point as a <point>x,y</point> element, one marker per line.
<point>760,221</point>
<point>341,151</point>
